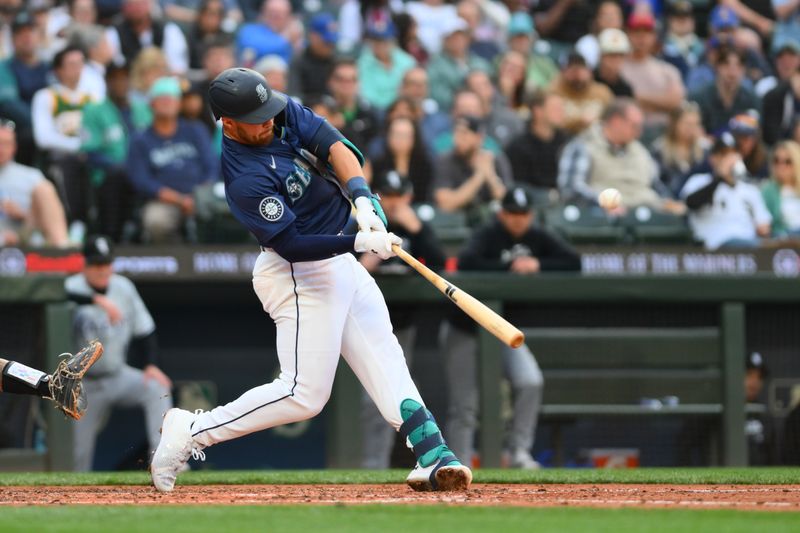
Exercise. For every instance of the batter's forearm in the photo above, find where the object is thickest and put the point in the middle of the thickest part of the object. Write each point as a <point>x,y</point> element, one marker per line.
<point>344,163</point>
<point>296,248</point>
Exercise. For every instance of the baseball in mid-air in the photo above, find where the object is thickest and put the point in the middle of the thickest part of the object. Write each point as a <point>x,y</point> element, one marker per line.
<point>609,199</point>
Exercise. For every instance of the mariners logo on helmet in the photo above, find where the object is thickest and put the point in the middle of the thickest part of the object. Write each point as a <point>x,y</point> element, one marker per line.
<point>262,93</point>
<point>271,209</point>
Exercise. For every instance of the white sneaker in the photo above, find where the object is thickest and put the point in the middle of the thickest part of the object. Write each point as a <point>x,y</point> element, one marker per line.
<point>440,476</point>
<point>522,459</point>
<point>174,449</point>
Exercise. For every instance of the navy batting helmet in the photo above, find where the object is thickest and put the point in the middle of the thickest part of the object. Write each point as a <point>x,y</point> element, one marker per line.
<point>243,95</point>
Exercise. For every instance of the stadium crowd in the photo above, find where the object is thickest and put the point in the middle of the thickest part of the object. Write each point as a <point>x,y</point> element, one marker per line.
<point>691,110</point>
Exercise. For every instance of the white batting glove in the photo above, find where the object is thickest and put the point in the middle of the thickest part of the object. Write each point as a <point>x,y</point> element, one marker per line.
<point>376,242</point>
<point>368,220</point>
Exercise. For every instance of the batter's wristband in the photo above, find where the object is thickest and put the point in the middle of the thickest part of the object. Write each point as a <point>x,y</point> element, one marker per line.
<point>357,187</point>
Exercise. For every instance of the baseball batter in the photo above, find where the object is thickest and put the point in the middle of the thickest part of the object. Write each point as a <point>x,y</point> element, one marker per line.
<point>290,177</point>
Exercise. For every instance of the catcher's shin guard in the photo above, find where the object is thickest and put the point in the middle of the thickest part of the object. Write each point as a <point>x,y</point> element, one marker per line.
<point>22,379</point>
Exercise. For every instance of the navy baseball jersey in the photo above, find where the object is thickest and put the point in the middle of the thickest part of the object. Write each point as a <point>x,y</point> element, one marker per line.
<point>271,187</point>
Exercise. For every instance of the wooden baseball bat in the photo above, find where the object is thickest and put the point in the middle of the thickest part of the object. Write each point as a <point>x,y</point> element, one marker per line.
<point>494,323</point>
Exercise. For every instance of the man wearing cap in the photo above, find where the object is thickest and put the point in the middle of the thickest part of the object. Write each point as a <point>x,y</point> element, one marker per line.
<point>726,96</point>
<point>310,70</point>
<point>21,75</point>
<point>725,210</point>
<point>290,178</point>
<point>787,61</point>
<point>614,48</point>
<point>584,98</point>
<point>747,134</point>
<point>782,108</point>
<point>657,85</point>
<point>420,241</point>
<point>447,70</point>
<point>541,69</point>
<point>509,243</point>
<point>469,178</point>
<point>166,162</point>
<point>111,310</point>
<point>382,64</point>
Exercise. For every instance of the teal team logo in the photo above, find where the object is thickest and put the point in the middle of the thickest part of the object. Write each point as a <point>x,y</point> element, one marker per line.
<point>298,181</point>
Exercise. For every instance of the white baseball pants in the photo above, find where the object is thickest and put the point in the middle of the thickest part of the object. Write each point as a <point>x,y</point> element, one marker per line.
<point>321,309</point>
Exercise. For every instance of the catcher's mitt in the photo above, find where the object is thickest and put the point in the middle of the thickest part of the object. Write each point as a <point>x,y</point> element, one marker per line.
<point>66,389</point>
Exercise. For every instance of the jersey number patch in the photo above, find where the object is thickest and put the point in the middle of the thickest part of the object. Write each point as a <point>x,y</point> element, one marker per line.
<point>271,209</point>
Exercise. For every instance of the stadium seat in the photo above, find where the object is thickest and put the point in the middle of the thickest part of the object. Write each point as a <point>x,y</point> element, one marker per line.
<point>652,227</point>
<point>584,225</point>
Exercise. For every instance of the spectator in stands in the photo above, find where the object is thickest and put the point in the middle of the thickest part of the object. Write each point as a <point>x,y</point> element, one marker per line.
<point>607,15</point>
<point>420,241</point>
<point>255,40</point>
<point>754,14</point>
<point>540,70</point>
<point>683,148</point>
<point>406,155</point>
<point>76,12</point>
<point>435,20</point>
<point>111,310</point>
<point>447,70</point>
<point>311,69</point>
<point>782,193</point>
<point>206,31</point>
<point>787,62</point>
<point>217,57</point>
<point>509,243</point>
<point>584,98</point>
<point>466,103</point>
<point>326,107</point>
<point>167,162</point>
<point>469,177</point>
<point>562,22</point>
<point>787,22</point>
<point>9,10</point>
<point>188,12</point>
<point>150,64</point>
<point>487,20</point>
<point>682,47</point>
<point>275,71</point>
<point>415,87</point>
<point>407,38</point>
<point>725,210</point>
<point>354,15</point>
<point>725,97</point>
<point>107,127</point>
<point>382,64</point>
<point>21,75</point>
<point>511,82</point>
<point>726,27</point>
<point>614,49</point>
<point>534,154</point>
<point>781,109</point>
<point>27,200</point>
<point>361,120</point>
<point>608,155</point>
<point>93,41</point>
<point>57,111</point>
<point>747,134</point>
<point>501,122</point>
<point>138,30</point>
<point>656,84</point>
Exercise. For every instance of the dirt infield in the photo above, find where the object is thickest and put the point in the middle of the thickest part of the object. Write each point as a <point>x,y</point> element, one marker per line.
<point>751,497</point>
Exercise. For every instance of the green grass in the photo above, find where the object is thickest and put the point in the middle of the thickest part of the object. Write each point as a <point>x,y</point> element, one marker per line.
<point>766,476</point>
<point>385,519</point>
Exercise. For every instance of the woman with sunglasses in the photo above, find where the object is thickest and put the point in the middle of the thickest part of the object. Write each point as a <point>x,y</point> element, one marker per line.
<point>782,192</point>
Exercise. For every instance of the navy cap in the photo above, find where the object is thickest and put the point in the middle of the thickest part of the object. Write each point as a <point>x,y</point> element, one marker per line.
<point>518,199</point>
<point>723,143</point>
<point>756,362</point>
<point>23,19</point>
<point>244,95</point>
<point>391,183</point>
<point>471,122</point>
<point>380,28</point>
<point>98,250</point>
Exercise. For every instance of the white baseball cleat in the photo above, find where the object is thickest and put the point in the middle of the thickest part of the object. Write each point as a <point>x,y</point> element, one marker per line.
<point>174,449</point>
<point>521,458</point>
<point>446,475</point>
